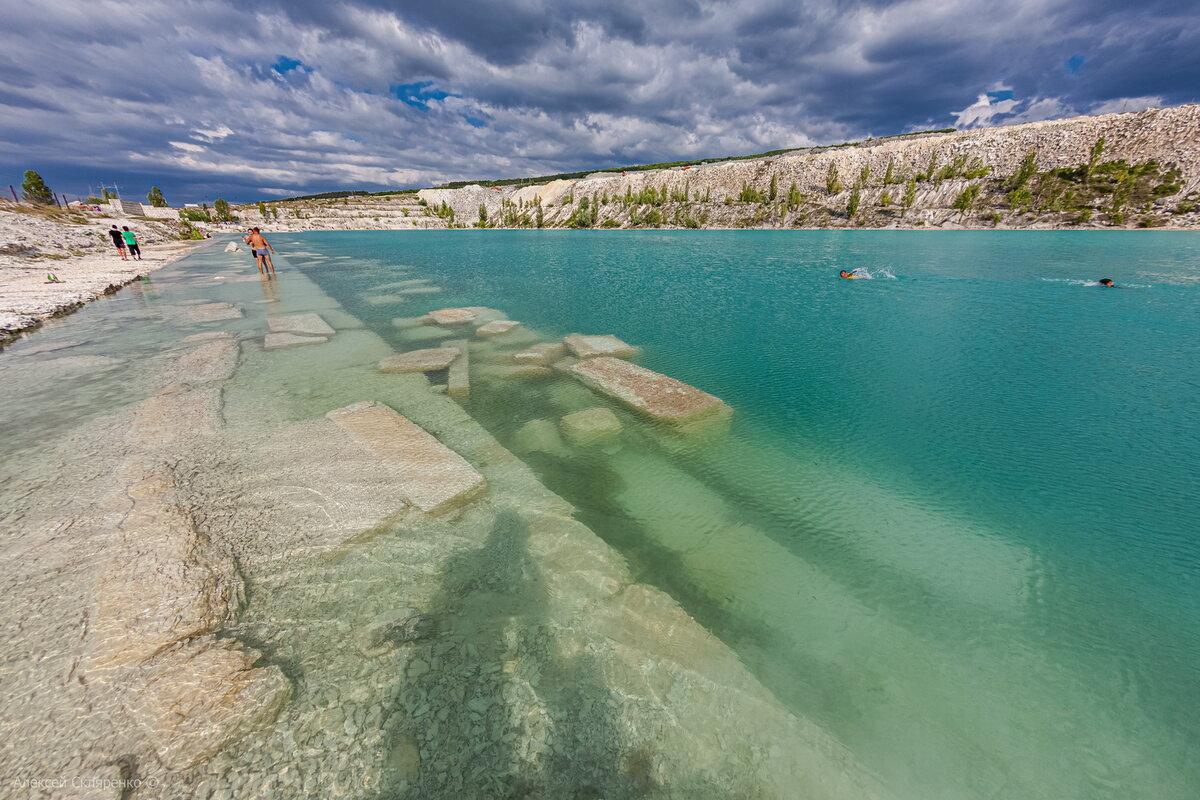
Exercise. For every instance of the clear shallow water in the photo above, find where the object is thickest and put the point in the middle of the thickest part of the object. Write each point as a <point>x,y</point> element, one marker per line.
<point>953,521</point>
<point>955,518</point>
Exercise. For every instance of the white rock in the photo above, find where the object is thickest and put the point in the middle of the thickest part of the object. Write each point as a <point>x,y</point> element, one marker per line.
<point>232,247</point>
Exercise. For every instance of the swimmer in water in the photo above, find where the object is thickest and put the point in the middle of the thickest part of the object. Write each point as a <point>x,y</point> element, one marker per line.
<point>1107,282</point>
<point>847,275</point>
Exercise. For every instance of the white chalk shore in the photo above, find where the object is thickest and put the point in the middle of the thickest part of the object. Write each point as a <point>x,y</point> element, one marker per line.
<point>80,255</point>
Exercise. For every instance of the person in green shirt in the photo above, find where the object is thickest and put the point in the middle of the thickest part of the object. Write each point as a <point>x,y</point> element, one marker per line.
<point>131,242</point>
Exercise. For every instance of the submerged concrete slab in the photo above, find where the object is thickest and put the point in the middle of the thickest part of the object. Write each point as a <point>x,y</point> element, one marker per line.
<point>212,312</point>
<point>496,327</point>
<point>210,336</point>
<point>542,354</point>
<point>434,478</point>
<point>523,372</point>
<point>428,360</point>
<point>539,436</point>
<point>645,391</point>
<point>278,341</point>
<point>211,361</point>
<point>304,324</point>
<point>451,316</point>
<point>591,426</point>
<point>458,385</point>
<point>583,346</point>
<point>424,333</point>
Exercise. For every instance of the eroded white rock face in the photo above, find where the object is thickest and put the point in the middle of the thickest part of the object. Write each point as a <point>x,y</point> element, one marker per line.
<point>582,346</point>
<point>434,479</point>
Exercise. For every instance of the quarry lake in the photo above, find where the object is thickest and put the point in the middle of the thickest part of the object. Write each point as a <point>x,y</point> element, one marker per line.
<point>950,530</point>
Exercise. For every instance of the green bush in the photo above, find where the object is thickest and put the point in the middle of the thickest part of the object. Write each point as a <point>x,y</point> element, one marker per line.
<point>833,184</point>
<point>853,203</point>
<point>35,191</point>
<point>967,197</point>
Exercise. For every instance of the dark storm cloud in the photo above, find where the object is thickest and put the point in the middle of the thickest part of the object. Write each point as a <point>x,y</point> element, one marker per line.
<point>219,97</point>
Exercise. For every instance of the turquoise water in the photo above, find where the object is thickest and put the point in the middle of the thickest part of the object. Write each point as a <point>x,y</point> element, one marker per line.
<point>955,519</point>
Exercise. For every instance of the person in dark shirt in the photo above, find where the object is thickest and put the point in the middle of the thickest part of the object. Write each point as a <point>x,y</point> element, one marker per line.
<point>115,234</point>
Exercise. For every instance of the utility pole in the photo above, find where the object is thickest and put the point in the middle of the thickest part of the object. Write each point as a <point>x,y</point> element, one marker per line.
<point>14,193</point>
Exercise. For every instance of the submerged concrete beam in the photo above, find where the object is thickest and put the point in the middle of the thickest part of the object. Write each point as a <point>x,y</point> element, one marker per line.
<point>645,391</point>
<point>433,477</point>
<point>459,384</point>
<point>429,360</point>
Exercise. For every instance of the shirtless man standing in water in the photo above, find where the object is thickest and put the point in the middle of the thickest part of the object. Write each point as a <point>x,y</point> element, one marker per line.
<point>262,250</point>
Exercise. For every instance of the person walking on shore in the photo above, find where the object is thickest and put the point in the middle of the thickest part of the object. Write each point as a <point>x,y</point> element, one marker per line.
<point>114,233</point>
<point>262,250</point>
<point>131,242</point>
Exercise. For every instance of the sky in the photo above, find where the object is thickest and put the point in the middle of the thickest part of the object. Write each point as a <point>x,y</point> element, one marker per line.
<point>265,99</point>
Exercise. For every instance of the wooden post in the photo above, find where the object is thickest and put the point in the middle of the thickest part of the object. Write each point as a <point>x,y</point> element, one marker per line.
<point>14,193</point>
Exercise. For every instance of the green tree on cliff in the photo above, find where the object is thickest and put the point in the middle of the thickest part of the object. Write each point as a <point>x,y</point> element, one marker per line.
<point>155,197</point>
<point>262,209</point>
<point>482,216</point>
<point>910,194</point>
<point>855,200</point>
<point>833,184</point>
<point>221,208</point>
<point>773,191</point>
<point>1093,159</point>
<point>35,190</point>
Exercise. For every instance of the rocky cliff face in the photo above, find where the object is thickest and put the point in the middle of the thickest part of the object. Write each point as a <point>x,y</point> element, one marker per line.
<point>1118,170</point>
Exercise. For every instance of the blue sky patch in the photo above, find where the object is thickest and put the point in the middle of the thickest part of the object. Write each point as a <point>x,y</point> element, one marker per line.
<point>418,94</point>
<point>475,122</point>
<point>283,65</point>
<point>1000,94</point>
<point>1074,63</point>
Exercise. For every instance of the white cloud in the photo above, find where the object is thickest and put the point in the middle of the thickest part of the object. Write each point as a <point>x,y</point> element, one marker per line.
<point>212,134</point>
<point>1121,104</point>
<point>983,111</point>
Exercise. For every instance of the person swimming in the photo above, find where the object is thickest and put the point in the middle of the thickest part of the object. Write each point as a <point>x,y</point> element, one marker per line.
<point>847,275</point>
<point>1107,282</point>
